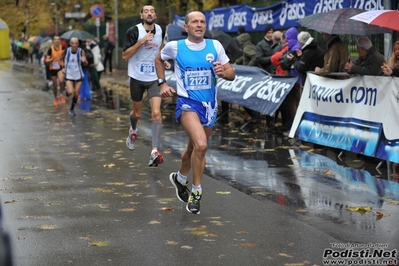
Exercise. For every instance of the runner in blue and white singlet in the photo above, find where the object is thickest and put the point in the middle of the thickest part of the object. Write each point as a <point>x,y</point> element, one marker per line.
<point>195,76</point>
<point>198,65</point>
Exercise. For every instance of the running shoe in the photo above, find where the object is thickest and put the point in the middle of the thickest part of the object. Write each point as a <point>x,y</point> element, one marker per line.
<point>193,204</point>
<point>181,189</point>
<point>55,102</point>
<point>155,158</point>
<point>72,112</point>
<point>131,139</point>
<point>62,99</point>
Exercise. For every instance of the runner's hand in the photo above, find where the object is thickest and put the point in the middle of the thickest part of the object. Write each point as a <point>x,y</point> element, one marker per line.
<point>166,91</point>
<point>219,69</point>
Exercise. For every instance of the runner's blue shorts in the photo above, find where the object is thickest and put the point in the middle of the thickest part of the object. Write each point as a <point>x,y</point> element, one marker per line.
<point>206,111</point>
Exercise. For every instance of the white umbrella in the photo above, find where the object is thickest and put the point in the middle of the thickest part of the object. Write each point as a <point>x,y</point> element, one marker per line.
<point>388,19</point>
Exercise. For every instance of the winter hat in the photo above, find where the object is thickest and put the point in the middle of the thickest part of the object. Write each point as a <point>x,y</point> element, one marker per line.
<point>269,28</point>
<point>241,29</point>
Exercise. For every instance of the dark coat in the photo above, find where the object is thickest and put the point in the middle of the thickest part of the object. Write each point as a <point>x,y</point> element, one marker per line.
<point>312,57</point>
<point>248,57</point>
<point>370,64</point>
<point>264,52</point>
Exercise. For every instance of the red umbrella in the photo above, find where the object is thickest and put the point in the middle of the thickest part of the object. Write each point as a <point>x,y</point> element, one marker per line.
<point>388,19</point>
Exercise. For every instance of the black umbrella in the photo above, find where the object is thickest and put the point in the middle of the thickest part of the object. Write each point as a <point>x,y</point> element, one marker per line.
<point>221,36</point>
<point>80,34</point>
<point>45,39</point>
<point>174,33</point>
<point>337,22</point>
<point>230,45</point>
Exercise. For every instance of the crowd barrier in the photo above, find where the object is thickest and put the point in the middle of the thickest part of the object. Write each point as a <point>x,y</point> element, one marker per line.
<point>357,114</point>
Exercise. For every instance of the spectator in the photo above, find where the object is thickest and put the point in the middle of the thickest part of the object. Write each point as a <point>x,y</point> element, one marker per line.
<point>231,52</point>
<point>336,56</point>
<point>264,50</point>
<point>240,30</point>
<point>108,49</point>
<point>291,101</point>
<point>247,59</point>
<point>310,57</point>
<point>392,68</point>
<point>275,58</point>
<point>394,60</point>
<point>369,61</point>
<point>276,39</point>
<point>97,67</point>
<point>279,49</point>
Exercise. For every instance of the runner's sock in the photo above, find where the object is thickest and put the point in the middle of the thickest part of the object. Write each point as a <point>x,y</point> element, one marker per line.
<point>133,121</point>
<point>156,133</point>
<point>181,178</point>
<point>195,189</point>
<point>74,101</point>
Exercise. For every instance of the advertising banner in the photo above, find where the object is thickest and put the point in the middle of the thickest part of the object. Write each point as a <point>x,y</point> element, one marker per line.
<point>358,114</point>
<point>282,15</point>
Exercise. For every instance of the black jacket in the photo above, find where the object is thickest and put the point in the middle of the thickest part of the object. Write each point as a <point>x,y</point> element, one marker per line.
<point>312,57</point>
<point>264,52</point>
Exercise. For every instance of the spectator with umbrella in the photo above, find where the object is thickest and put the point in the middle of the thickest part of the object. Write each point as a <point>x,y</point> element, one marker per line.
<point>369,61</point>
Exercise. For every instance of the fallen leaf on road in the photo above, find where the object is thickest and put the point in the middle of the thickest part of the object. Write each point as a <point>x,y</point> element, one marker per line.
<point>216,222</point>
<point>31,167</point>
<point>247,244</point>
<point>109,165</point>
<point>89,238</point>
<point>167,209</point>
<point>99,244</point>
<point>126,195</point>
<point>379,215</point>
<point>361,210</point>
<point>116,183</point>
<point>186,247</point>
<point>10,201</point>
<point>223,192</point>
<point>47,227</point>
<point>127,210</point>
<point>285,255</point>
<point>394,202</point>
<point>103,190</point>
<point>154,222</point>
<point>172,243</point>
<point>37,217</point>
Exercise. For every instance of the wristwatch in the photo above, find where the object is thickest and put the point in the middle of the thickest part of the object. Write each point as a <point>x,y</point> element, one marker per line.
<point>161,81</point>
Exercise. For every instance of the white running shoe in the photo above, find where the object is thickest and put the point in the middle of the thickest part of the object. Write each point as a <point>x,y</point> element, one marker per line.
<point>131,139</point>
<point>155,158</point>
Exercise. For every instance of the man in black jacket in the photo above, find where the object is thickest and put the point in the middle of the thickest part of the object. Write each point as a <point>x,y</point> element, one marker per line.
<point>108,49</point>
<point>264,50</point>
<point>310,57</point>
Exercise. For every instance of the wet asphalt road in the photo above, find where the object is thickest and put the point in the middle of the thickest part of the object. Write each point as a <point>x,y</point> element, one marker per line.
<point>72,194</point>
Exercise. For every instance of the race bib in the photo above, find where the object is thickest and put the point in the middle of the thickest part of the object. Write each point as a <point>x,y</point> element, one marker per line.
<point>147,68</point>
<point>55,65</point>
<point>198,80</point>
<point>72,66</point>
